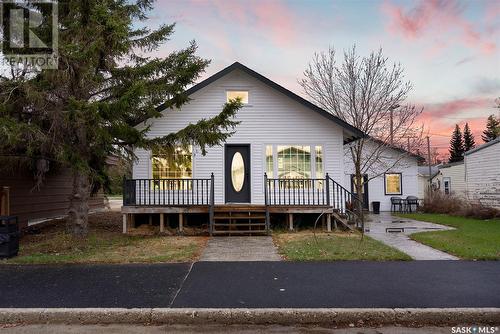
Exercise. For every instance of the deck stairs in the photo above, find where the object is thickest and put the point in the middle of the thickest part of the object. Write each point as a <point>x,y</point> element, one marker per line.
<point>239,220</point>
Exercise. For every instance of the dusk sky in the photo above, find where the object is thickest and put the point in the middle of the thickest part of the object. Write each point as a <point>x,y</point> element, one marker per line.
<point>449,49</point>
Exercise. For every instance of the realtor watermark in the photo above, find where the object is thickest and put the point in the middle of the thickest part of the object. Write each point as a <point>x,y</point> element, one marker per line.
<point>29,31</point>
<point>474,330</point>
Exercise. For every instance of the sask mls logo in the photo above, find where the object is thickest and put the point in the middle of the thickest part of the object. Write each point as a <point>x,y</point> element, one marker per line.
<point>474,330</point>
<point>29,31</point>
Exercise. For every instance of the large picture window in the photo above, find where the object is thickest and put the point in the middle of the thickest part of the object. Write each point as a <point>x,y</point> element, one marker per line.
<point>393,184</point>
<point>294,162</point>
<point>176,164</point>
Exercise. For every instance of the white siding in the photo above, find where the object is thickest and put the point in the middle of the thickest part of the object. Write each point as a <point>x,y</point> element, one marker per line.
<point>482,170</point>
<point>270,118</point>
<point>407,166</point>
<point>423,185</point>
<point>456,173</point>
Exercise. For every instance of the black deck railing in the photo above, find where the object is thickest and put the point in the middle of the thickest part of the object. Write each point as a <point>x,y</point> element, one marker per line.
<point>168,192</point>
<point>309,192</point>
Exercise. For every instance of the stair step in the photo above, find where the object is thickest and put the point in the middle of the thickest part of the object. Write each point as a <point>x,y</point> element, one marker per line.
<point>239,232</point>
<point>239,217</point>
<point>240,224</point>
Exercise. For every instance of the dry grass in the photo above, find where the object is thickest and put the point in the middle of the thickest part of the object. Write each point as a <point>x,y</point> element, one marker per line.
<point>440,203</point>
<point>104,244</point>
<point>337,246</point>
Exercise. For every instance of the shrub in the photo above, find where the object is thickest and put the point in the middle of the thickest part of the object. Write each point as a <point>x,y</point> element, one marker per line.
<point>438,202</point>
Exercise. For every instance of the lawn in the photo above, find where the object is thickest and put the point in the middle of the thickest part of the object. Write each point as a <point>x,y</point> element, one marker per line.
<point>473,239</point>
<point>104,244</point>
<point>303,246</point>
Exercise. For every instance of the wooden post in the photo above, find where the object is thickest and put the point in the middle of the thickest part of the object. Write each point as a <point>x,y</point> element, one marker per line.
<point>132,220</point>
<point>328,223</point>
<point>290,221</point>
<point>150,219</point>
<point>124,223</point>
<point>162,222</point>
<point>181,217</point>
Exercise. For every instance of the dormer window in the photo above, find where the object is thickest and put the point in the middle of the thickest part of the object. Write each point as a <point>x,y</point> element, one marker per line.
<point>233,94</point>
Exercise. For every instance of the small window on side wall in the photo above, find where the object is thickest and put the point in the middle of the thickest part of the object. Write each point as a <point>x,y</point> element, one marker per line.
<point>233,94</point>
<point>393,184</point>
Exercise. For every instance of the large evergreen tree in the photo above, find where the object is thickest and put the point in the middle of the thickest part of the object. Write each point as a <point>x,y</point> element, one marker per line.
<point>456,145</point>
<point>106,84</point>
<point>492,130</point>
<point>469,142</point>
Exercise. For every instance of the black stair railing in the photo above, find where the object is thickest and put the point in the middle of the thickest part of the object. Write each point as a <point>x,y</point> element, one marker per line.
<point>311,192</point>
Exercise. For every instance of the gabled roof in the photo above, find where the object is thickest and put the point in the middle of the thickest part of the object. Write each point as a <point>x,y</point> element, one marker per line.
<point>451,164</point>
<point>353,133</point>
<point>488,144</point>
<point>399,149</point>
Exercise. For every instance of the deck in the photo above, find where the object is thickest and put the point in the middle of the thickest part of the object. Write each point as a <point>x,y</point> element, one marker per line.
<point>196,196</point>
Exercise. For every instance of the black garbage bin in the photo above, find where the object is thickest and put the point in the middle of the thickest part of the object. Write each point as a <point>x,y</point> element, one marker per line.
<point>376,207</point>
<point>9,236</point>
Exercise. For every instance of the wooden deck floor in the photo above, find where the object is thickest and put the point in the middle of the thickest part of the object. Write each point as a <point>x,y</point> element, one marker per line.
<point>226,208</point>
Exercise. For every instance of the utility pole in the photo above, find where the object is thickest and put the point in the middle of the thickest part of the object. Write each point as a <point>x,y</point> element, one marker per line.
<point>391,109</point>
<point>429,162</point>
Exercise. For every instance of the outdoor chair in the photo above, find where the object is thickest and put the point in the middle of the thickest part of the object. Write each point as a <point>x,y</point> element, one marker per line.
<point>396,202</point>
<point>411,201</point>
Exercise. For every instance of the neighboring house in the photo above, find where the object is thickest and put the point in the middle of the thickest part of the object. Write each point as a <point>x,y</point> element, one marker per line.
<point>482,173</point>
<point>298,145</point>
<point>393,174</point>
<point>451,178</point>
<point>423,179</point>
<point>32,205</point>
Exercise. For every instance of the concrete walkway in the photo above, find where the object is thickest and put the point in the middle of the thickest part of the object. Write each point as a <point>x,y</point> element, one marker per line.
<point>240,248</point>
<point>379,224</point>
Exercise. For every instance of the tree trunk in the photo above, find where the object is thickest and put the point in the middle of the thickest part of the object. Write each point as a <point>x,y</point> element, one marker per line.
<point>359,193</point>
<point>77,222</point>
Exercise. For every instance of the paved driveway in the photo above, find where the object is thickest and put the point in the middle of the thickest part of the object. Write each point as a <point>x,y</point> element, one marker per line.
<point>255,285</point>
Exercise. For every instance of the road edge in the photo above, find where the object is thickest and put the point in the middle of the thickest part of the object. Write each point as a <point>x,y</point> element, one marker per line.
<point>411,317</point>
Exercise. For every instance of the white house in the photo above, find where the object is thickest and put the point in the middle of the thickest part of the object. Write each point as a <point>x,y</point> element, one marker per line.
<point>393,173</point>
<point>295,144</point>
<point>423,179</point>
<point>451,178</point>
<point>482,173</point>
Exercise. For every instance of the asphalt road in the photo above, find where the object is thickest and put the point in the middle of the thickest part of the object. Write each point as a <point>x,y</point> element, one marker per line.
<point>255,285</point>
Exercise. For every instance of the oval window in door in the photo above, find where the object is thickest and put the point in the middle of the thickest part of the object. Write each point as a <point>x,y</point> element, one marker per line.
<point>237,172</point>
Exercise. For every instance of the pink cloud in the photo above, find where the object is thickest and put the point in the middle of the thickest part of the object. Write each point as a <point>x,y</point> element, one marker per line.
<point>440,119</point>
<point>273,20</point>
<point>456,107</point>
<point>431,19</point>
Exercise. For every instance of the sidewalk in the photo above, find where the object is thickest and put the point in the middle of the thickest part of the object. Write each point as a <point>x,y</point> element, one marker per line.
<point>240,248</point>
<point>377,230</point>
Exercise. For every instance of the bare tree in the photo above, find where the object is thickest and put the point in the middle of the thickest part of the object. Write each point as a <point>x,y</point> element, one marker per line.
<point>369,93</point>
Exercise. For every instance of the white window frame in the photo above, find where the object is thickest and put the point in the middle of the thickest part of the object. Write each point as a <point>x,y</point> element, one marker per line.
<point>445,180</point>
<point>238,90</point>
<point>313,158</point>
